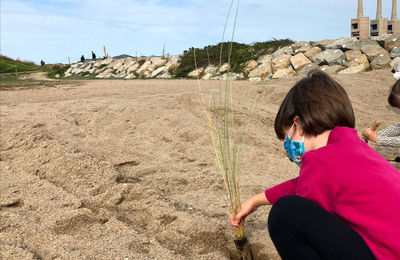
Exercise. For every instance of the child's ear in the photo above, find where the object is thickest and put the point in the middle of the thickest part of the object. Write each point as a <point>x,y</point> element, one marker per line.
<point>298,126</point>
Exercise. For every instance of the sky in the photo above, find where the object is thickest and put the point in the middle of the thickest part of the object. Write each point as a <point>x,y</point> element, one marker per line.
<point>54,30</point>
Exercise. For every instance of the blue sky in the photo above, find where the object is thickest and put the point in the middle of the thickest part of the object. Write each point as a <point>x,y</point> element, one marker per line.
<point>55,29</point>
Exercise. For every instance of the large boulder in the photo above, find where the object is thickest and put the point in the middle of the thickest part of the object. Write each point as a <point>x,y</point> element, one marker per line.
<point>281,62</point>
<point>284,73</point>
<point>224,68</point>
<point>321,44</point>
<point>173,62</point>
<point>392,41</point>
<point>330,57</point>
<point>133,68</point>
<point>130,76</point>
<point>249,66</point>
<point>338,44</point>
<point>306,69</point>
<point>231,76</point>
<point>373,51</point>
<point>164,75</point>
<point>196,73</point>
<point>353,69</point>
<point>208,76</point>
<point>312,52</point>
<point>299,61</point>
<point>156,63</point>
<point>395,52</point>
<point>262,71</point>
<point>284,50</point>
<point>382,61</point>
<point>395,63</point>
<point>116,64</point>
<point>157,71</point>
<point>360,61</point>
<point>263,58</point>
<point>211,69</point>
<point>332,69</point>
<point>143,68</point>
<point>302,46</point>
<point>352,54</point>
<point>356,45</point>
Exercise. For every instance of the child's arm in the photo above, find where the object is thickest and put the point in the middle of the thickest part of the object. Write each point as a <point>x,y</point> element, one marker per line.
<point>248,207</point>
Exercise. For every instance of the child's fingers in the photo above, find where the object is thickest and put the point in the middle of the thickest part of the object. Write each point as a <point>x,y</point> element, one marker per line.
<point>233,222</point>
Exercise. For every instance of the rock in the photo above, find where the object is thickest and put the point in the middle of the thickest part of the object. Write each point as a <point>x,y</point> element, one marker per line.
<point>329,57</point>
<point>352,54</point>
<point>299,61</point>
<point>157,71</point>
<point>281,62</point>
<point>373,51</point>
<point>165,75</point>
<point>104,74</point>
<point>255,79</point>
<point>133,68</point>
<point>143,68</point>
<point>67,75</point>
<point>302,46</point>
<point>173,62</point>
<point>262,59</point>
<point>252,64</point>
<point>110,75</point>
<point>382,61</point>
<point>356,45</point>
<point>392,41</point>
<point>338,44</point>
<point>129,63</point>
<point>284,73</point>
<point>224,68</point>
<point>285,50</point>
<point>306,69</point>
<point>92,70</point>
<point>57,76</point>
<point>312,52</point>
<point>10,202</point>
<point>353,69</point>
<point>332,69</point>
<point>262,71</point>
<point>360,61</point>
<point>216,78</point>
<point>321,44</point>
<point>395,63</point>
<point>211,69</point>
<point>395,52</point>
<point>130,76</point>
<point>106,61</point>
<point>116,64</point>
<point>156,63</point>
<point>381,39</point>
<point>196,73</point>
<point>145,75</point>
<point>208,76</point>
<point>231,76</point>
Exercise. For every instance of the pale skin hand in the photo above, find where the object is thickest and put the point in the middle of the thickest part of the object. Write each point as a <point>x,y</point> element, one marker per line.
<point>248,207</point>
<point>369,134</point>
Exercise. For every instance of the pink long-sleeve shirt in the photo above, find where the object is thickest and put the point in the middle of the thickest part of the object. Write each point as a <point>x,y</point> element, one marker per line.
<point>352,181</point>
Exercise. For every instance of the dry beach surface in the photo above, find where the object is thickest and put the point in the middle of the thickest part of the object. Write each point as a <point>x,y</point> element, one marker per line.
<point>111,169</point>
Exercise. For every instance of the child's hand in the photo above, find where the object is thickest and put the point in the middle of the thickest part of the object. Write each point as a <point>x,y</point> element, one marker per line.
<point>248,207</point>
<point>369,134</point>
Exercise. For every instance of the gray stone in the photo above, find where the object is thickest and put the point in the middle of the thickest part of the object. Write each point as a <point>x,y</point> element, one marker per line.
<point>306,69</point>
<point>373,51</point>
<point>312,52</point>
<point>356,45</point>
<point>395,63</point>
<point>321,44</point>
<point>262,71</point>
<point>157,71</point>
<point>332,69</point>
<point>392,41</point>
<point>284,50</point>
<point>284,73</point>
<point>338,44</point>
<point>381,62</point>
<point>330,57</point>
<point>395,52</point>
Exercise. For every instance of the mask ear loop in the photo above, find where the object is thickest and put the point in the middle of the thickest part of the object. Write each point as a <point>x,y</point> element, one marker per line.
<point>290,131</point>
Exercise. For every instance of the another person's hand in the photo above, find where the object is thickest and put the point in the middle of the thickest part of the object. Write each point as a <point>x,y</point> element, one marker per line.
<point>369,134</point>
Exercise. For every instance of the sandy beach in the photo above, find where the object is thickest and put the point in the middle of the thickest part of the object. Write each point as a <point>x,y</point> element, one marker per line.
<point>114,169</point>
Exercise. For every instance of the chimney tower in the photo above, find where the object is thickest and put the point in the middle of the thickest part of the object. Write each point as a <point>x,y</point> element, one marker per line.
<point>360,25</point>
<point>394,24</point>
<point>379,26</point>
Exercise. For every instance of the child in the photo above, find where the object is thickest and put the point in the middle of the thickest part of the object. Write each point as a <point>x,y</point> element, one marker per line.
<point>391,135</point>
<point>345,202</point>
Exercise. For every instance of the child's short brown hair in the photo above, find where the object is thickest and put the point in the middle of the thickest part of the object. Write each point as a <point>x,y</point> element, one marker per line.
<point>394,96</point>
<point>319,101</point>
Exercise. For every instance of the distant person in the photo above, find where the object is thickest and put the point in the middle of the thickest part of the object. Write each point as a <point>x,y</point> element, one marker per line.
<point>42,63</point>
<point>82,58</point>
<point>93,56</point>
<point>391,135</point>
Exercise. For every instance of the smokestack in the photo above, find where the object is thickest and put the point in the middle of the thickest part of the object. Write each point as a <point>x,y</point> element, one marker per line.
<point>360,9</point>
<point>394,10</point>
<point>379,10</point>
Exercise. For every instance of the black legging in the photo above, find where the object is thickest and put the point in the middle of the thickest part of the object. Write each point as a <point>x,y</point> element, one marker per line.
<point>300,229</point>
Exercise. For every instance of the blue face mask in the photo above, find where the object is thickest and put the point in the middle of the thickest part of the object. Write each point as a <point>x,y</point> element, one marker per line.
<point>293,149</point>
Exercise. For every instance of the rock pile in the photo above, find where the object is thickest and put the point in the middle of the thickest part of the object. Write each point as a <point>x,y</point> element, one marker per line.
<point>343,56</point>
<point>128,68</point>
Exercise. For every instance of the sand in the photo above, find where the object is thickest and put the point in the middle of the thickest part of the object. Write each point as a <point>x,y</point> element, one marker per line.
<point>119,169</point>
